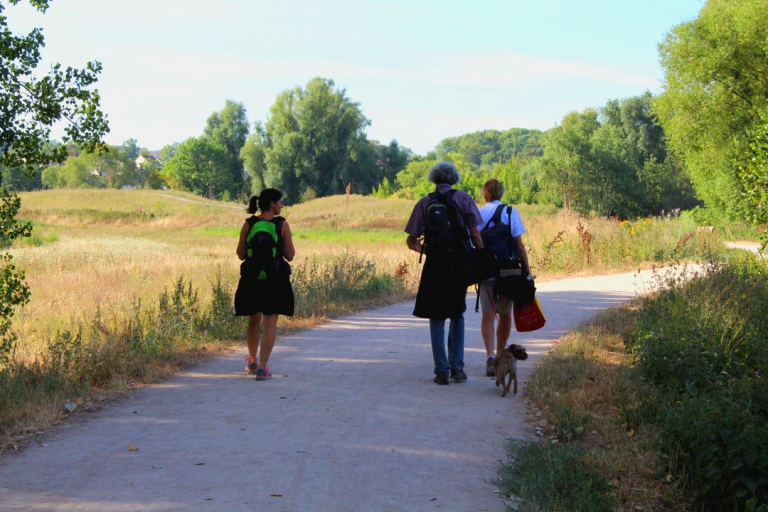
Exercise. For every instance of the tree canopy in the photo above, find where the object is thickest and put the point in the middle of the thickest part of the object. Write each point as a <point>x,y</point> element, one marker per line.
<point>715,90</point>
<point>488,147</point>
<point>314,140</point>
<point>31,104</point>
<point>229,128</point>
<point>197,166</point>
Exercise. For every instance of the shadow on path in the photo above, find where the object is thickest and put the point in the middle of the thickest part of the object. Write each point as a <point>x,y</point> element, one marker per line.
<point>351,421</point>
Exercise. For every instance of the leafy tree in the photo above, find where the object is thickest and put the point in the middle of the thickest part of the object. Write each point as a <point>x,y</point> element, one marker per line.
<point>384,189</point>
<point>107,168</point>
<point>314,139</point>
<point>489,147</point>
<point>509,174</point>
<point>391,159</point>
<point>715,88</point>
<point>17,180</point>
<point>567,156</point>
<point>197,167</point>
<point>614,161</point>
<point>229,128</point>
<point>167,152</point>
<point>30,106</point>
<point>753,173</point>
<point>252,154</point>
<point>130,148</point>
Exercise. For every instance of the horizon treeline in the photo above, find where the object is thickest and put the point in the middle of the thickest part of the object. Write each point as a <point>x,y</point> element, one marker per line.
<point>701,142</point>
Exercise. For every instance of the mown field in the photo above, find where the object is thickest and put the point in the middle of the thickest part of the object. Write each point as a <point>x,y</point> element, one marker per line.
<point>128,285</point>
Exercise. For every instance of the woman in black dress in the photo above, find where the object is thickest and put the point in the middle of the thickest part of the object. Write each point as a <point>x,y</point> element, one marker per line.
<point>262,295</point>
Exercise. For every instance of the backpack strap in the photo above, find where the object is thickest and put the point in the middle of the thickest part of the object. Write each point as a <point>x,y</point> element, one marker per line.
<point>496,218</point>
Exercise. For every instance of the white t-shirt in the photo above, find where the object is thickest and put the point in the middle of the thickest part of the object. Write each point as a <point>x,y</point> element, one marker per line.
<point>487,211</point>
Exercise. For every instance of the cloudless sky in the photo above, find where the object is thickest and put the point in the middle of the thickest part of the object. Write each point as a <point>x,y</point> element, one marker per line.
<point>422,70</point>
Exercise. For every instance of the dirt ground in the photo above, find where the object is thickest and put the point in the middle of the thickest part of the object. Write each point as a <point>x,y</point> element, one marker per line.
<point>352,421</point>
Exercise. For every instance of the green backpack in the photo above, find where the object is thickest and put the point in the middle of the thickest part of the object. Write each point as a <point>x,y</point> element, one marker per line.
<point>263,252</point>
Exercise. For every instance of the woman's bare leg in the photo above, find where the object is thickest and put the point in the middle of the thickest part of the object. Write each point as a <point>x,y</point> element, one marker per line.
<point>267,339</point>
<point>252,335</point>
<point>486,329</point>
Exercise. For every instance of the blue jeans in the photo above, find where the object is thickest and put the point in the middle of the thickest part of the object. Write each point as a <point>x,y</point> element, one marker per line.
<point>455,358</point>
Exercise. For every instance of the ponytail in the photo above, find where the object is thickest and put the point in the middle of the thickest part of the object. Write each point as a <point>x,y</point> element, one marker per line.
<point>264,200</point>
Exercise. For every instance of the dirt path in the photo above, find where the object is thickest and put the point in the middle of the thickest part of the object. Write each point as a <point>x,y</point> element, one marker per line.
<point>204,203</point>
<point>351,422</point>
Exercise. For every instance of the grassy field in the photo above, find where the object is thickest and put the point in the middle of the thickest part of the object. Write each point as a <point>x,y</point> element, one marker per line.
<point>148,276</point>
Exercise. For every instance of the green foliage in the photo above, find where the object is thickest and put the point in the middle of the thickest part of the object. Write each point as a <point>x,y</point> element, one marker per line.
<point>754,178</point>
<point>614,162</point>
<point>199,165</point>
<point>704,344</point>
<point>15,179</point>
<point>32,104</point>
<point>384,190</point>
<point>345,279</point>
<point>714,92</point>
<point>14,293</point>
<point>229,128</point>
<point>567,156</point>
<point>109,167</point>
<point>412,182</point>
<point>315,139</point>
<point>391,159</point>
<point>555,478</point>
<point>490,147</point>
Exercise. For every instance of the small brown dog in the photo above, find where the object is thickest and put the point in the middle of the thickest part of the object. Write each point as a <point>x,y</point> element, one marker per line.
<point>506,366</point>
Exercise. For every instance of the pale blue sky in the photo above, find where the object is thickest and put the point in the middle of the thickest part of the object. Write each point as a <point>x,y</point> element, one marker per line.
<point>421,70</point>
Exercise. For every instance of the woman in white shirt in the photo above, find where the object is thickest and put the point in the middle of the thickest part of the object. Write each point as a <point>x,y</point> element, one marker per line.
<point>492,305</point>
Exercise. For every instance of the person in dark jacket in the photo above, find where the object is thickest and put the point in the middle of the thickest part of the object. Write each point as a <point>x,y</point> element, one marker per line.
<point>441,295</point>
<point>259,298</point>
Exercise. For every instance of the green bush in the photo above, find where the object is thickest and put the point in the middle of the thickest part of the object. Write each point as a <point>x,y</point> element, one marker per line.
<point>722,444</point>
<point>704,344</point>
<point>706,332</point>
<point>543,476</point>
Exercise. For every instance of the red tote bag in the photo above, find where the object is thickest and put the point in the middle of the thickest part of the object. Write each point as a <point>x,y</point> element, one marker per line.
<point>528,317</point>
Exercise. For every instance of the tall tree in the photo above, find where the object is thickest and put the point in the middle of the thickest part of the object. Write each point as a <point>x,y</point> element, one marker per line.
<point>314,140</point>
<point>391,159</point>
<point>196,167</point>
<point>567,156</point>
<point>715,88</point>
<point>229,128</point>
<point>30,105</point>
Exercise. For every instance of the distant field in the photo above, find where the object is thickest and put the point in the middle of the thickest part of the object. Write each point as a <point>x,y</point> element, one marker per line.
<point>108,248</point>
<point>112,247</point>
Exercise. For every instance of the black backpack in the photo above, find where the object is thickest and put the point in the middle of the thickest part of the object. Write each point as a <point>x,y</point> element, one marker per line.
<point>498,237</point>
<point>446,236</point>
<point>263,254</point>
<point>511,281</point>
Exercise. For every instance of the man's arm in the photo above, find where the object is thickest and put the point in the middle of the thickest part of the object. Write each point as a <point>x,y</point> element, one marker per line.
<point>414,244</point>
<point>477,239</point>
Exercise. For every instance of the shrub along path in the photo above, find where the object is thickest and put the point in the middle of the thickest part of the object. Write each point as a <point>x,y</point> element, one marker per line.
<point>351,421</point>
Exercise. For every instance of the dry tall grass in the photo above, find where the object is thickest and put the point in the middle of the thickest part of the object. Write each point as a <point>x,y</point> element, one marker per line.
<point>107,254</point>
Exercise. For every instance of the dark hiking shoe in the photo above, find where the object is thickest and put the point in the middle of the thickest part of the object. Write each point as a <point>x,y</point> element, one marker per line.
<point>263,374</point>
<point>458,375</point>
<point>441,379</point>
<point>490,370</point>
